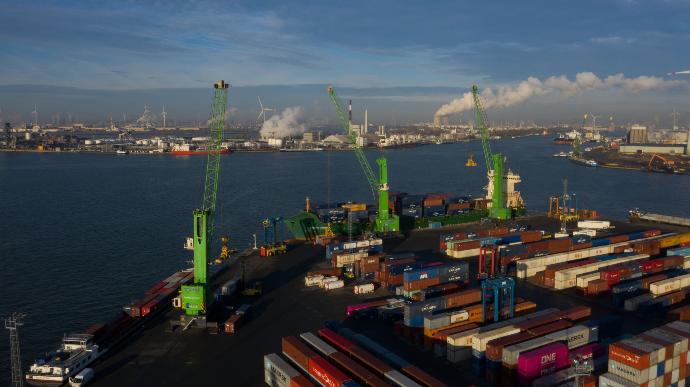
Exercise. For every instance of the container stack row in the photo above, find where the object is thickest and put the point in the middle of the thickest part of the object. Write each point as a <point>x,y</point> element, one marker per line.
<point>655,358</point>
<point>340,357</point>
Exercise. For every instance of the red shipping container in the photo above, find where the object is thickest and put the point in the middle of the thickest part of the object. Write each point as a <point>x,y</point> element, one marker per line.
<point>326,373</point>
<point>530,236</point>
<point>465,297</point>
<point>543,361</point>
<point>342,343</point>
<point>301,381</point>
<point>421,284</point>
<point>360,373</point>
<point>297,351</point>
<point>618,238</point>
<point>468,245</point>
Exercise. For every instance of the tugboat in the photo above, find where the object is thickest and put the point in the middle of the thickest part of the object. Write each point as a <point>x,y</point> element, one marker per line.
<point>76,353</point>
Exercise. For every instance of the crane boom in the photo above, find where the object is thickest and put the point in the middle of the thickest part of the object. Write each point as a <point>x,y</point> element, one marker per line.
<point>480,118</point>
<point>352,138</point>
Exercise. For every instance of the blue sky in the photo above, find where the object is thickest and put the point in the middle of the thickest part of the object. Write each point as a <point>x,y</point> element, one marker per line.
<point>132,45</point>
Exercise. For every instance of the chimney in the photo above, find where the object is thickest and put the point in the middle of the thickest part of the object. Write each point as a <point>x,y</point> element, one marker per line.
<point>366,123</point>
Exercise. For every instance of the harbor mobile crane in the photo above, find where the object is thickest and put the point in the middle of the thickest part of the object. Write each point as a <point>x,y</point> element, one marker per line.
<point>497,188</point>
<point>385,221</point>
<point>195,297</point>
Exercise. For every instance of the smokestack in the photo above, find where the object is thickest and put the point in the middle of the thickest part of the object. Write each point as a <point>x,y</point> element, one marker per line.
<point>350,112</point>
<point>366,122</point>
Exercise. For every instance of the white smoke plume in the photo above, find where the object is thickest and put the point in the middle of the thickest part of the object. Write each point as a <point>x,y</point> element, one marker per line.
<point>505,96</point>
<point>287,123</point>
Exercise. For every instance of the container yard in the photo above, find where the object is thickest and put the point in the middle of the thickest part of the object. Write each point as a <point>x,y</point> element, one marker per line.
<point>400,311</point>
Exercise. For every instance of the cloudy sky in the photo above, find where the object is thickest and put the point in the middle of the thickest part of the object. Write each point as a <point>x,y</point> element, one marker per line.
<point>402,59</point>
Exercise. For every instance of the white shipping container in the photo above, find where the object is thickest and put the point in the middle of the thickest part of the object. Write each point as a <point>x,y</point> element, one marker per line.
<point>313,280</point>
<point>277,372</point>
<point>584,279</point>
<point>364,288</point>
<point>479,340</point>
<point>334,284</point>
<point>463,253</point>
<point>613,380</point>
<point>363,244</point>
<point>326,280</point>
<point>669,285</point>
<point>349,245</point>
<point>376,241</point>
<point>586,231</point>
<point>594,224</point>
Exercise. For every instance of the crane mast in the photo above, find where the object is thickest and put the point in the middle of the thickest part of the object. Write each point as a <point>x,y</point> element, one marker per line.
<point>495,163</point>
<point>385,222</point>
<point>194,297</point>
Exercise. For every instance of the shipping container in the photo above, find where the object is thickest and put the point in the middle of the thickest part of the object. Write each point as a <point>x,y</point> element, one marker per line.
<point>278,373</point>
<point>298,352</point>
<point>398,379</point>
<point>358,371</point>
<point>326,373</point>
<point>542,361</point>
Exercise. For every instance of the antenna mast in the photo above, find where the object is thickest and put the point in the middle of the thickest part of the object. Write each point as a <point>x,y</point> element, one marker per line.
<point>11,324</point>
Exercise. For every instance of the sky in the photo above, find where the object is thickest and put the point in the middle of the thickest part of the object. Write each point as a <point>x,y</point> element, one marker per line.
<point>401,60</point>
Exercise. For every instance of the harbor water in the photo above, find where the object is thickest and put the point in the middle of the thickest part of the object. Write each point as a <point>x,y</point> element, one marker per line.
<point>83,234</point>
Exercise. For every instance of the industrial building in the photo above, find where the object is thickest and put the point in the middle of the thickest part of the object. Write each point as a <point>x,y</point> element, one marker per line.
<point>677,149</point>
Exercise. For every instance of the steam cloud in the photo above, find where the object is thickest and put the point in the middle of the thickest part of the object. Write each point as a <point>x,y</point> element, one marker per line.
<point>287,123</point>
<point>533,87</point>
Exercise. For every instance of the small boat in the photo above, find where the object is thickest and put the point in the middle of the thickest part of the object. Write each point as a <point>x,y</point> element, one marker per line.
<point>591,163</point>
<point>121,152</point>
<point>75,354</point>
<point>560,154</point>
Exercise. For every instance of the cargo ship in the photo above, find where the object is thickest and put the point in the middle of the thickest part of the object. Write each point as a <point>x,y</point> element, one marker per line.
<point>563,139</point>
<point>188,150</point>
<point>77,351</point>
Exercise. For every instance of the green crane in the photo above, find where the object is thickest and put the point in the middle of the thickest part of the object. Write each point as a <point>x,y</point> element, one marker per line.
<point>498,209</point>
<point>385,222</point>
<point>194,297</point>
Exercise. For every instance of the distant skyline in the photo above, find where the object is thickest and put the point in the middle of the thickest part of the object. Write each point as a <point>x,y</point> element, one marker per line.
<point>403,60</point>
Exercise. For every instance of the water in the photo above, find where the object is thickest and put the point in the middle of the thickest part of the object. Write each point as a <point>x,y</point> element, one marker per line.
<point>83,234</point>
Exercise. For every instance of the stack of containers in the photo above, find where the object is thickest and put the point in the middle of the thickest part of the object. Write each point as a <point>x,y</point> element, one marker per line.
<point>445,238</point>
<point>480,340</point>
<point>435,324</point>
<point>159,296</point>
<point>573,337</point>
<point>419,279</point>
<point>658,357</point>
<point>414,312</point>
<point>277,372</point>
<point>542,361</point>
<point>434,205</point>
<point>411,205</point>
<point>330,212</point>
<point>567,278</point>
<point>613,275</point>
<point>354,351</point>
<point>370,246</point>
<point>459,344</point>
<point>391,270</point>
<point>316,366</point>
<point>407,368</point>
<point>670,285</point>
<point>541,256</point>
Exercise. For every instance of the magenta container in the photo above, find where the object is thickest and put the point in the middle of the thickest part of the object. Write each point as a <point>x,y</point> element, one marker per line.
<point>586,351</point>
<point>543,361</point>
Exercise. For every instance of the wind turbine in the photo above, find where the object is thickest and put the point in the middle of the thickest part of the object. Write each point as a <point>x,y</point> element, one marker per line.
<point>262,113</point>
<point>164,114</point>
